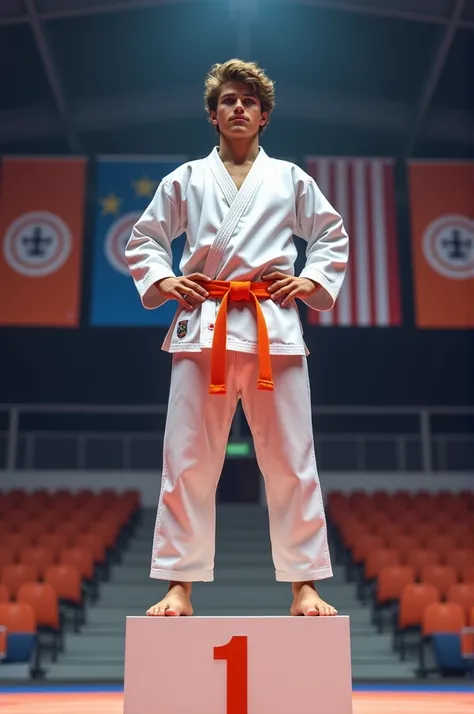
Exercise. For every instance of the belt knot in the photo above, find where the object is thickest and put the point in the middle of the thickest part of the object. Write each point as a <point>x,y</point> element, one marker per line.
<point>240,291</point>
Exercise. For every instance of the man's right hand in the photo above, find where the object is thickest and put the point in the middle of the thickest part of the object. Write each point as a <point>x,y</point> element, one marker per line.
<point>184,289</point>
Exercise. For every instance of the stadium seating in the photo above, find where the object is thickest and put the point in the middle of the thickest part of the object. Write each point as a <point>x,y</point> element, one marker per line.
<point>412,557</point>
<point>55,550</point>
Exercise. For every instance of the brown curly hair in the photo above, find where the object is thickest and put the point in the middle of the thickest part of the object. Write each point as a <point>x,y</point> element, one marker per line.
<point>236,70</point>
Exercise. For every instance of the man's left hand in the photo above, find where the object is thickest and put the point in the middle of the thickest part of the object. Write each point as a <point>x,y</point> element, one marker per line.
<point>288,287</point>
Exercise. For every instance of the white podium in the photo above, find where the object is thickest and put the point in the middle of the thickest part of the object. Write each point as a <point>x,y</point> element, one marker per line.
<point>237,665</point>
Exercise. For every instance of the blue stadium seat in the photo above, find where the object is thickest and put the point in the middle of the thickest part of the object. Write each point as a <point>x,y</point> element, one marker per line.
<point>448,655</point>
<point>20,648</point>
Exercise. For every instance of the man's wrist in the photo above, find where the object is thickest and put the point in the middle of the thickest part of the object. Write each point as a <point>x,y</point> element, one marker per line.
<point>316,284</point>
<point>158,282</point>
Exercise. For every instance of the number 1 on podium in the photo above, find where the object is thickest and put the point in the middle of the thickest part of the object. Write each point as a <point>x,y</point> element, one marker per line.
<point>235,654</point>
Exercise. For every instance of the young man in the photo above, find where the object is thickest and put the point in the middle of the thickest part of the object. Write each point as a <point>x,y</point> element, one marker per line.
<point>237,335</point>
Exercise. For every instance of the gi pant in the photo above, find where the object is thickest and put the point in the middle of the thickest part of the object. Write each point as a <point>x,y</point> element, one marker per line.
<point>195,440</point>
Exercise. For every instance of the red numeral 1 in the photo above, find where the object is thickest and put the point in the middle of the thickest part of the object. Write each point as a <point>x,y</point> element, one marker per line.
<point>235,653</point>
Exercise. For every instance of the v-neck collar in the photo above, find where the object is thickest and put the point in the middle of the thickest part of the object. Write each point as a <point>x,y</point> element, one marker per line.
<point>224,179</point>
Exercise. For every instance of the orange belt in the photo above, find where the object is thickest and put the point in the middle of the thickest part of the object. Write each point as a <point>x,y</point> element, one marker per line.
<point>240,292</point>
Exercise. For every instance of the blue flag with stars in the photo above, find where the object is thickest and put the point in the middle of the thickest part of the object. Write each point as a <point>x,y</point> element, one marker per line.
<point>125,187</point>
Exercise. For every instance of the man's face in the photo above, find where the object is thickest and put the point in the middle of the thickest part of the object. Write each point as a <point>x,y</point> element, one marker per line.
<point>239,113</point>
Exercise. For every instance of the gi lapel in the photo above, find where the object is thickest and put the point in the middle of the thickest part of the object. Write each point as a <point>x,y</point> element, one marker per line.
<point>238,202</point>
<point>222,176</point>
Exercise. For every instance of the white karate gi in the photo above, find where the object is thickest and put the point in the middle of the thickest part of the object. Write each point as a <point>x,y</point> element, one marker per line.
<point>239,235</point>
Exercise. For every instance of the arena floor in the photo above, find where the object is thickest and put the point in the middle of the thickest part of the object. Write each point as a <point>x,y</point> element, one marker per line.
<point>367,700</point>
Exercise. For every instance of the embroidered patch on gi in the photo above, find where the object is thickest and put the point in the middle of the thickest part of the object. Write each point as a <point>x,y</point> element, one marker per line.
<point>182,330</point>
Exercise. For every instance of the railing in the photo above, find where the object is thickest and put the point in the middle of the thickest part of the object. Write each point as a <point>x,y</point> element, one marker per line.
<point>421,448</point>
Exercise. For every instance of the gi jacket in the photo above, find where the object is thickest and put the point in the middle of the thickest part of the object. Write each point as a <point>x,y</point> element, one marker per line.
<point>238,234</point>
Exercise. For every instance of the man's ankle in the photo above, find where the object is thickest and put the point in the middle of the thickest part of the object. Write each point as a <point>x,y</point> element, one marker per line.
<point>186,586</point>
<point>296,587</point>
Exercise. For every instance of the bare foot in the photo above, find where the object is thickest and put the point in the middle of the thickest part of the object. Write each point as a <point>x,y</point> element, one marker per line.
<point>306,601</point>
<point>176,602</point>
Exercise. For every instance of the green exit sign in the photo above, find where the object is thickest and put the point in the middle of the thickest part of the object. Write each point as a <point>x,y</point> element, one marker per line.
<point>239,448</point>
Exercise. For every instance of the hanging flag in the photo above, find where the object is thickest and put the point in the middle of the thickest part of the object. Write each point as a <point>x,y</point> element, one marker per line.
<point>362,191</point>
<point>41,227</point>
<point>442,219</point>
<point>125,187</point>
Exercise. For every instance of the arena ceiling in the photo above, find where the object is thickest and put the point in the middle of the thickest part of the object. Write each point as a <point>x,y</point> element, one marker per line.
<point>75,69</point>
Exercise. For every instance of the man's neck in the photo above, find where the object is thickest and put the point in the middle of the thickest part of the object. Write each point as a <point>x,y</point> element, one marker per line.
<point>238,152</point>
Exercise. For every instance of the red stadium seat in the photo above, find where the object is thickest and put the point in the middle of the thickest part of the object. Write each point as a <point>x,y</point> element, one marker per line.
<point>441,576</point>
<point>391,581</point>
<point>414,600</point>
<point>463,594</point>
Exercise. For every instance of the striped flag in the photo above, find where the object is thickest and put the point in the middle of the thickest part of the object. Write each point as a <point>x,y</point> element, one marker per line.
<point>362,191</point>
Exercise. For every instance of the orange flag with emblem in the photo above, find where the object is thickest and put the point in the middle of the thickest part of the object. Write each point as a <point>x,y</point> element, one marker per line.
<point>442,220</point>
<point>41,226</point>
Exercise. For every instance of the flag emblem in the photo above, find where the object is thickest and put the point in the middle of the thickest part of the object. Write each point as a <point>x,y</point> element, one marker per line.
<point>116,240</point>
<point>37,244</point>
<point>448,246</point>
